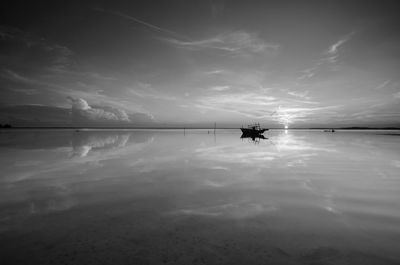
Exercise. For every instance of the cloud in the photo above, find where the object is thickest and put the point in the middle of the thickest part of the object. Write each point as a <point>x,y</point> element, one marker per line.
<point>36,48</point>
<point>334,48</point>
<point>382,85</point>
<point>290,115</point>
<point>220,88</point>
<point>34,115</point>
<point>299,94</point>
<point>37,85</point>
<point>253,105</point>
<point>11,75</point>
<point>121,114</point>
<point>145,90</point>
<point>237,42</point>
<point>215,72</point>
<point>26,91</point>
<point>28,85</point>
<point>80,114</point>
<point>78,103</point>
<point>82,111</point>
<point>328,57</point>
<point>142,118</point>
<point>308,73</point>
<point>139,21</point>
<point>261,105</point>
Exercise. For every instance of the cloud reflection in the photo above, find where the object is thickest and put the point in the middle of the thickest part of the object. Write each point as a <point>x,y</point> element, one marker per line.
<point>83,143</point>
<point>231,210</point>
<point>41,169</point>
<point>196,174</point>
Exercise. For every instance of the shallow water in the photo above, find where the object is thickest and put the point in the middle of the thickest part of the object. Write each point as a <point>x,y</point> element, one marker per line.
<point>165,197</point>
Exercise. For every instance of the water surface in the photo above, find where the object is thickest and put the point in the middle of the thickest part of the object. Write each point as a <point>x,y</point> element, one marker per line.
<point>169,197</point>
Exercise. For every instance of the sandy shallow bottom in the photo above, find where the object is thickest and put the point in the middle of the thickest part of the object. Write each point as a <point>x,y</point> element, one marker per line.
<point>164,198</point>
<point>96,237</point>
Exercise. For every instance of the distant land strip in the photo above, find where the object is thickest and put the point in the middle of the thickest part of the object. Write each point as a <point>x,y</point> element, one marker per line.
<point>195,128</point>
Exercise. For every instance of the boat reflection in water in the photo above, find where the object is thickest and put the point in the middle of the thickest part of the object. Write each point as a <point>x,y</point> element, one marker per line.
<point>256,138</point>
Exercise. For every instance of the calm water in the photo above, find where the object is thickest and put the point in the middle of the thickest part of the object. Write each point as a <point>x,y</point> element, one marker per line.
<point>162,197</point>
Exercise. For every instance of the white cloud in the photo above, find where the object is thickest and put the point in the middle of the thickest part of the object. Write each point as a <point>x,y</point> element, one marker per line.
<point>329,56</point>
<point>219,88</point>
<point>78,103</point>
<point>81,111</point>
<point>300,94</point>
<point>215,72</point>
<point>121,114</point>
<point>333,51</point>
<point>334,48</point>
<point>238,42</point>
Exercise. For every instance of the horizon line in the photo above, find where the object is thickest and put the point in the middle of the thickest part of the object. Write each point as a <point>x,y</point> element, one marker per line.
<point>200,128</point>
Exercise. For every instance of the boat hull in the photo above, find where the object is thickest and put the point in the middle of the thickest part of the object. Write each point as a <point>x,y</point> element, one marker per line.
<point>252,131</point>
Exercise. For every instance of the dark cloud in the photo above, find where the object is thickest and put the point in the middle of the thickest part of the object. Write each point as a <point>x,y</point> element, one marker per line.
<point>80,114</point>
<point>28,48</point>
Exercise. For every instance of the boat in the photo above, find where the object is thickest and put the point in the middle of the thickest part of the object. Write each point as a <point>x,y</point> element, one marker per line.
<point>253,129</point>
<point>329,130</point>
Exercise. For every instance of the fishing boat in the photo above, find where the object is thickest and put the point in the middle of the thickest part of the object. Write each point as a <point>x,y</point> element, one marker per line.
<point>253,129</point>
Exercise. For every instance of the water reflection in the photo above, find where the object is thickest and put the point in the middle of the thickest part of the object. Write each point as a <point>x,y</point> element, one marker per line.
<point>84,142</point>
<point>40,167</point>
<point>78,140</point>
<point>255,138</point>
<point>325,192</point>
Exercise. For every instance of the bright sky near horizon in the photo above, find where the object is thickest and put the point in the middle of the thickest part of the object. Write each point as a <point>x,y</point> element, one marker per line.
<point>296,63</point>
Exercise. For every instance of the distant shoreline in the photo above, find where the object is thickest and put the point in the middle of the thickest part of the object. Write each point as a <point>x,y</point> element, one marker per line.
<point>192,128</point>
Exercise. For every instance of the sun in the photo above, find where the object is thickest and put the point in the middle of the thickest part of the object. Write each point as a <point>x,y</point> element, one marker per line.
<point>286,127</point>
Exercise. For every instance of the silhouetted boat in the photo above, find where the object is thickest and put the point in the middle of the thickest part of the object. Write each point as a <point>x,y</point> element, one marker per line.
<point>329,130</point>
<point>253,129</point>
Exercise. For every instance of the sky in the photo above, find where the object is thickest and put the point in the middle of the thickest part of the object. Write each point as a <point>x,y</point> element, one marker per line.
<point>192,63</point>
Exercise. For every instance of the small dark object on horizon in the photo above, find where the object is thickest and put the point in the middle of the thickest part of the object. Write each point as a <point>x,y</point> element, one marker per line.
<point>5,126</point>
